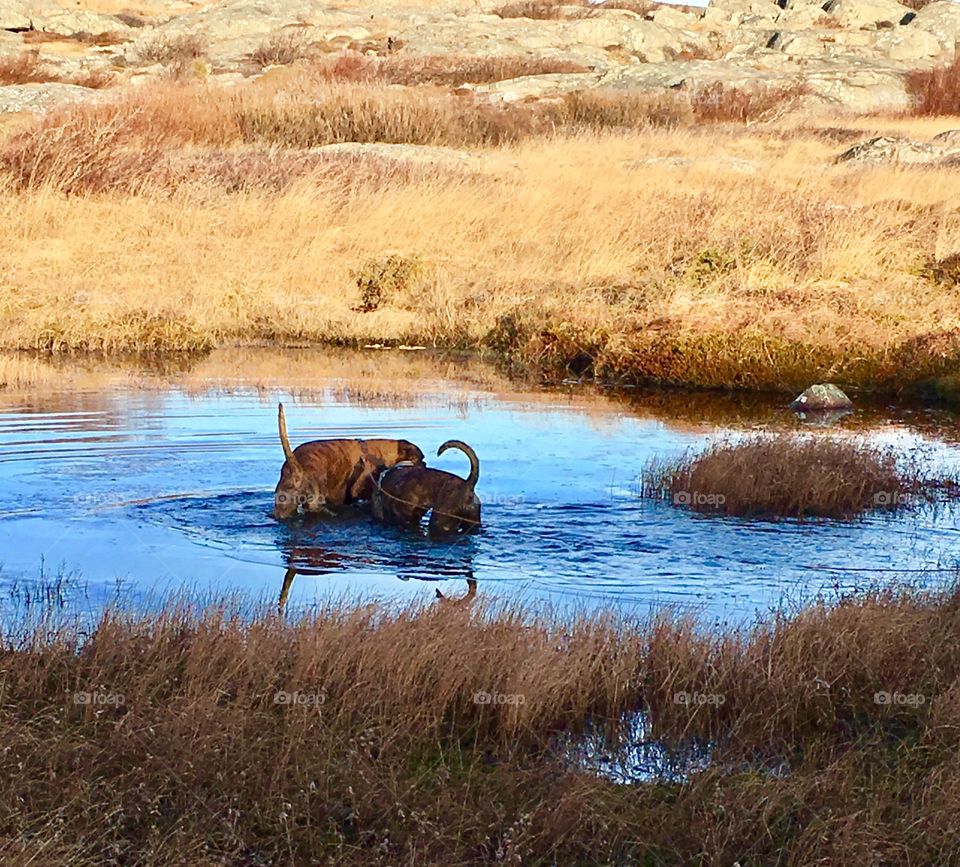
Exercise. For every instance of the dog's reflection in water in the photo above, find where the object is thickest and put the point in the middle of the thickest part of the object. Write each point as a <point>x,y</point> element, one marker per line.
<point>313,560</point>
<point>464,600</point>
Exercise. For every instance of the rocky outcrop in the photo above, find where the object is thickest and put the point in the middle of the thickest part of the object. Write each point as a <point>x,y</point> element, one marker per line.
<point>943,149</point>
<point>850,54</point>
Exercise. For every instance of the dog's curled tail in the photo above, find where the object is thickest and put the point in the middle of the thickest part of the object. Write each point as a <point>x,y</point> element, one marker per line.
<point>474,476</point>
<point>284,438</point>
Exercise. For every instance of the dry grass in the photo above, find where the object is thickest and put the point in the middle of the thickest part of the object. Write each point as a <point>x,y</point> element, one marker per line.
<point>717,257</point>
<point>44,37</point>
<point>391,760</point>
<point>23,68</point>
<point>28,68</point>
<point>936,92</point>
<point>546,10</point>
<point>783,476</point>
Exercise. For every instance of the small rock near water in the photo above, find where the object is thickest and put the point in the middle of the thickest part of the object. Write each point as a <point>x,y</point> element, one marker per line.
<point>821,397</point>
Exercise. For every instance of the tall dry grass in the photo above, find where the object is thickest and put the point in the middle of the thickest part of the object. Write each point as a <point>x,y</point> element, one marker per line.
<point>831,733</point>
<point>413,70</point>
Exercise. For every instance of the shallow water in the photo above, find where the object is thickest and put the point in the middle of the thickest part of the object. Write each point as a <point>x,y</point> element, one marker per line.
<point>164,482</point>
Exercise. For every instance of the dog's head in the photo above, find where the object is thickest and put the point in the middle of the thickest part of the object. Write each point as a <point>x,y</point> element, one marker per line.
<point>407,451</point>
<point>288,494</point>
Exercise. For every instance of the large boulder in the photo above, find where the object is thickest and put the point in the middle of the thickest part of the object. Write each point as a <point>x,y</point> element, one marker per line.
<point>821,398</point>
<point>908,45</point>
<point>850,85</point>
<point>244,19</point>
<point>71,22</point>
<point>867,14</point>
<point>15,15</point>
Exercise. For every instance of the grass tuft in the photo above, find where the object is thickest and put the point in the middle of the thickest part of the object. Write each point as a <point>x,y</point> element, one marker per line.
<point>784,476</point>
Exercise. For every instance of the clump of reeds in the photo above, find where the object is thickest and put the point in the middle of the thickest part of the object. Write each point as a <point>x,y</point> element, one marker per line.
<point>787,476</point>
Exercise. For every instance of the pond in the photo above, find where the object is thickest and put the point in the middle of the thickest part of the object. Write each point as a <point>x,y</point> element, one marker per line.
<point>155,479</point>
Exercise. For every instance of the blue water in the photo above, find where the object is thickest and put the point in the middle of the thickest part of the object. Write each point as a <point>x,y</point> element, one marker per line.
<point>158,490</point>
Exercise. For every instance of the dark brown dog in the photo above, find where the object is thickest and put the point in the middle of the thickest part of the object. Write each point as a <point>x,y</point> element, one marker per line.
<point>404,494</point>
<point>326,474</point>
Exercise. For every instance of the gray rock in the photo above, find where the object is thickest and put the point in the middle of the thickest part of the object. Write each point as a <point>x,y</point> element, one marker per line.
<point>942,21</point>
<point>38,98</point>
<point>822,397</point>
<point>69,23</point>
<point>867,14</point>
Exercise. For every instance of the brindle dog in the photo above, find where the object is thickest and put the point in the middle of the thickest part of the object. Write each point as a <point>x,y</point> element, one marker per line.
<point>404,494</point>
<point>326,474</point>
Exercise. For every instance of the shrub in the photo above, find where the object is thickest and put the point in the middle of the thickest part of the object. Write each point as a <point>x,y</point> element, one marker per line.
<point>543,10</point>
<point>281,49</point>
<point>90,153</point>
<point>945,271</point>
<point>176,49</point>
<point>381,279</point>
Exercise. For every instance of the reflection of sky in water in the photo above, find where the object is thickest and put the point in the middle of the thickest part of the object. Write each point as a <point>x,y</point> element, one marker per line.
<point>167,491</point>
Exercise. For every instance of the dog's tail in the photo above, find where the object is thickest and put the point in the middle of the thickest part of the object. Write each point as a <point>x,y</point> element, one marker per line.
<point>474,476</point>
<point>284,438</point>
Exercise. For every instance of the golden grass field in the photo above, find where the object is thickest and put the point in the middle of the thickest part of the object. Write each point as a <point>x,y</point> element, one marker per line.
<point>671,249</point>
